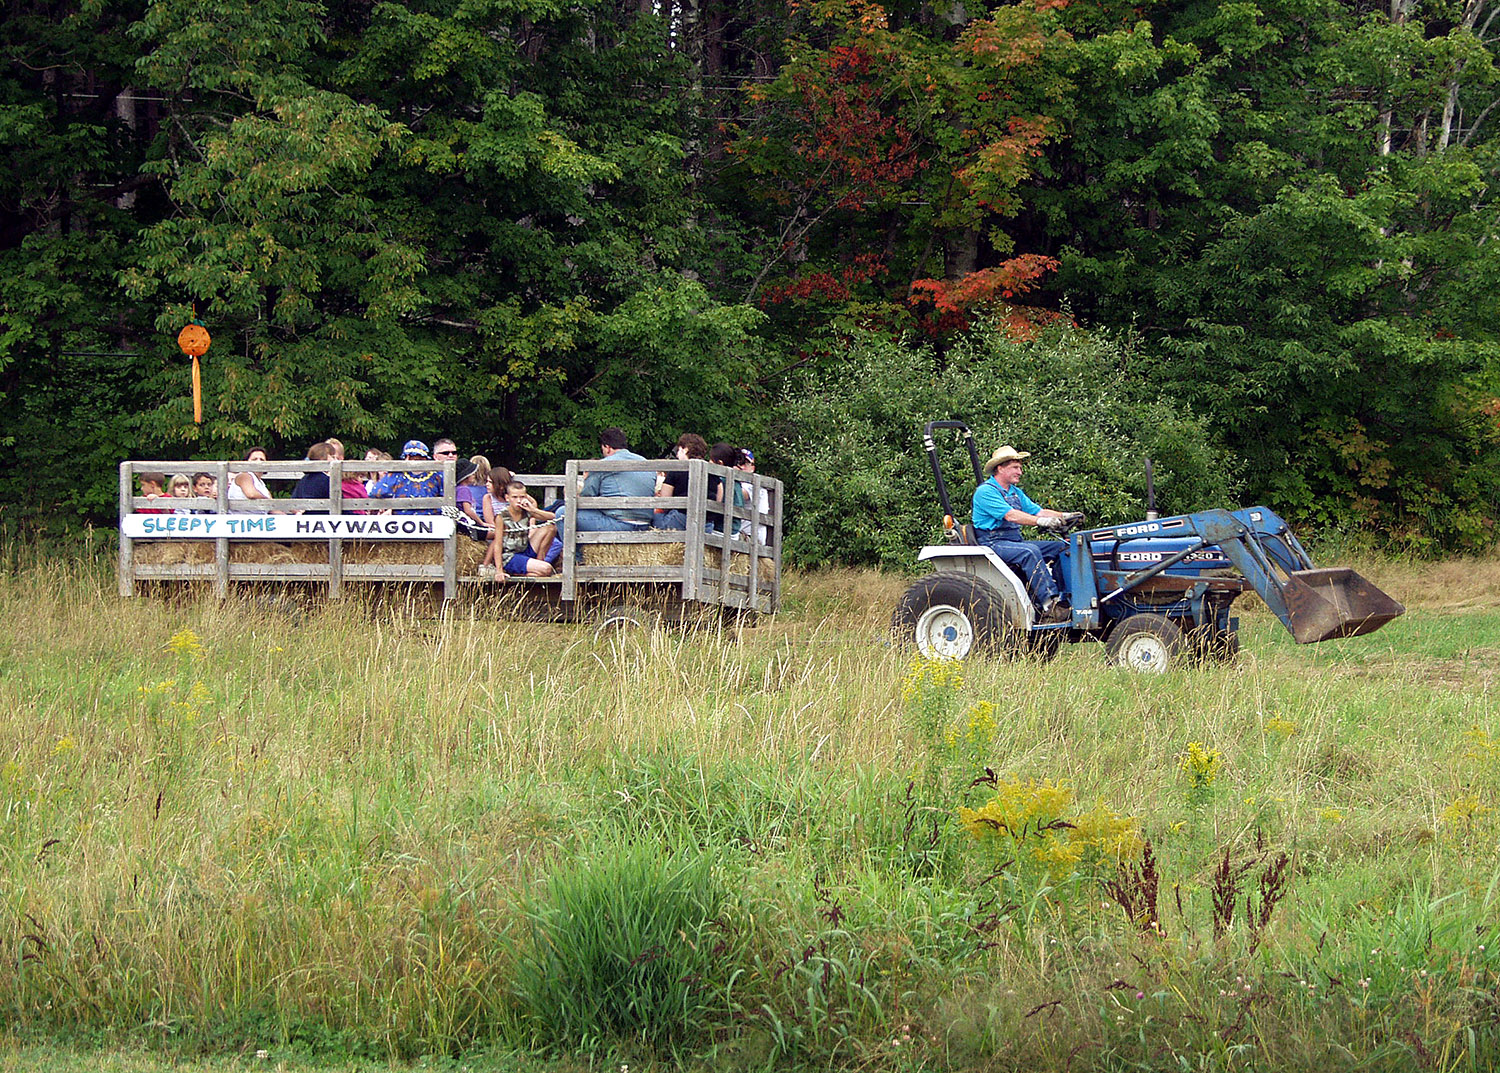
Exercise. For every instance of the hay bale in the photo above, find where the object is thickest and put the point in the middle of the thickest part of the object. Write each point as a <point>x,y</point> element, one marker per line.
<point>413,552</point>
<point>633,554</point>
<point>671,555</point>
<point>268,552</point>
<point>159,552</point>
<point>739,563</point>
<point>470,553</point>
<point>171,552</point>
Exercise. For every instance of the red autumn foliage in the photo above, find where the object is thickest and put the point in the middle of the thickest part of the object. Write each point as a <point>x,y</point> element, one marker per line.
<point>862,153</point>
<point>946,305</point>
<point>824,285</point>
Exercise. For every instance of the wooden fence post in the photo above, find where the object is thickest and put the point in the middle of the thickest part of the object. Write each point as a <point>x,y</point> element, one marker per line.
<point>336,542</point>
<point>570,531</point>
<point>450,545</point>
<point>127,546</point>
<point>692,549</point>
<point>221,544</point>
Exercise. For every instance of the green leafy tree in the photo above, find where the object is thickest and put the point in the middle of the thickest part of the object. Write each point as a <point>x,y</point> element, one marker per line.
<point>75,131</point>
<point>1289,201</point>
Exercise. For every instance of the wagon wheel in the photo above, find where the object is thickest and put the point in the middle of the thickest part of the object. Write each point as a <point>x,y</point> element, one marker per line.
<point>620,620</point>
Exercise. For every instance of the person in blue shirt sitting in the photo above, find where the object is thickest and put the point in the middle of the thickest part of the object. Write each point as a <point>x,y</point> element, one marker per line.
<point>403,485</point>
<point>630,484</point>
<point>1001,509</point>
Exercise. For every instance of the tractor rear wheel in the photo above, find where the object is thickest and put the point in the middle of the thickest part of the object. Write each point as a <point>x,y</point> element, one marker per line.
<point>1146,644</point>
<point>949,615</point>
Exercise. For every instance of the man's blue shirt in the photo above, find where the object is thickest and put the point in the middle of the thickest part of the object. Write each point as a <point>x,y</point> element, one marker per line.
<point>403,485</point>
<point>992,503</point>
<point>641,483</point>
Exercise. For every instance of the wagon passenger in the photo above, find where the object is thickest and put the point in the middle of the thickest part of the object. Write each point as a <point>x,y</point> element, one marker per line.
<point>445,450</point>
<point>374,454</point>
<point>747,492</point>
<point>1000,510</point>
<point>205,486</point>
<point>248,484</point>
<point>314,483</point>
<point>473,480</point>
<point>152,487</point>
<point>405,485</point>
<point>490,510</point>
<point>181,487</point>
<point>723,454</point>
<point>525,536</point>
<point>689,445</point>
<point>634,484</point>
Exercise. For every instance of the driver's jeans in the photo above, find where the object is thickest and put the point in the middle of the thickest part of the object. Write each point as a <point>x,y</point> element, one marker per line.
<point>1032,559</point>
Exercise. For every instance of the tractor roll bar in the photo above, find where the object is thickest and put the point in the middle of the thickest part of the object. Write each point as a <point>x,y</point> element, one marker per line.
<point>937,468</point>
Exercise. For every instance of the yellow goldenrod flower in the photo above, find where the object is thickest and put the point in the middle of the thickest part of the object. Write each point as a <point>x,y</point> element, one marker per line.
<point>1200,765</point>
<point>1032,820</point>
<point>185,643</point>
<point>1283,727</point>
<point>930,674</point>
<point>1464,810</point>
<point>64,744</point>
<point>1480,745</point>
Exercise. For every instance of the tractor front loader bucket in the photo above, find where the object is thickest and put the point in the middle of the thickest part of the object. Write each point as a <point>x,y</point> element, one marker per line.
<point>1337,602</point>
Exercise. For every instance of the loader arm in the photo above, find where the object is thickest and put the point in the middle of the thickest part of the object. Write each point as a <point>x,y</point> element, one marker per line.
<point>1315,605</point>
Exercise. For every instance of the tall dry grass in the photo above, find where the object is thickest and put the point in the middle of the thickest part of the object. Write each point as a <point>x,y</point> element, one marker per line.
<point>327,828</point>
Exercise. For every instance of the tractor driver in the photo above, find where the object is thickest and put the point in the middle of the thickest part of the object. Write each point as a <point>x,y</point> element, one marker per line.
<point>1000,510</point>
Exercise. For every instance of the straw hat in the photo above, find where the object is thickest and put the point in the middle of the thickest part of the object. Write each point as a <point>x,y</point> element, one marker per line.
<point>1001,456</point>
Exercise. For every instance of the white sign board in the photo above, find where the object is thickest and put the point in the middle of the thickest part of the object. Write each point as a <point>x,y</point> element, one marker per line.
<point>286,526</point>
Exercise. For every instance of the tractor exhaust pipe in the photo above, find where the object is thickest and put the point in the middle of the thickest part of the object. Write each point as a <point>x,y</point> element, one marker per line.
<point>1151,512</point>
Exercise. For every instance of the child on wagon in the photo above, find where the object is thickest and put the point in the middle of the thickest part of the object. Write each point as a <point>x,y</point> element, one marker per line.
<point>525,542</point>
<point>152,487</point>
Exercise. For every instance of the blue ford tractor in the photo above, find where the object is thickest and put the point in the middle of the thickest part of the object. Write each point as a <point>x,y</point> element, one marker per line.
<point>1157,592</point>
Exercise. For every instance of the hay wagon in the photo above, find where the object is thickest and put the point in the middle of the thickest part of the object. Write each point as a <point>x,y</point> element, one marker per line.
<point>332,543</point>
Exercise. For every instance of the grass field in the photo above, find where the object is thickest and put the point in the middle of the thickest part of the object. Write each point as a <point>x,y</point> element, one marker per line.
<point>258,834</point>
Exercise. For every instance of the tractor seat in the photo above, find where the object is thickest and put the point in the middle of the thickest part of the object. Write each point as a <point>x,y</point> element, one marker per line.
<point>958,534</point>
<point>961,534</point>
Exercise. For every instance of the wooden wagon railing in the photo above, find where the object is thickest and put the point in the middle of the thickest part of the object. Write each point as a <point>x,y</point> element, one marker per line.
<point>708,572</point>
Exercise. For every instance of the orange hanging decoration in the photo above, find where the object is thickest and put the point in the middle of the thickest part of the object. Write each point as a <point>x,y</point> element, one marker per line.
<point>194,340</point>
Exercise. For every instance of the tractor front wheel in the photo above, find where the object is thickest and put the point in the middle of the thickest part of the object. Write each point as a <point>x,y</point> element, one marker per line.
<point>949,615</point>
<point>1214,646</point>
<point>1146,644</point>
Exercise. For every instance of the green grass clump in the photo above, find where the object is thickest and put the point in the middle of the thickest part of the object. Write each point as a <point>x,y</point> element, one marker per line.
<point>623,945</point>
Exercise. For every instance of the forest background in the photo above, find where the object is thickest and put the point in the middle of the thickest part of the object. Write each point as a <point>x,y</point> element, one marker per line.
<point>1252,240</point>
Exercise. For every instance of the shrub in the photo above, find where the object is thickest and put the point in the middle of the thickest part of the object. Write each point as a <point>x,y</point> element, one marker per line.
<point>861,488</point>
